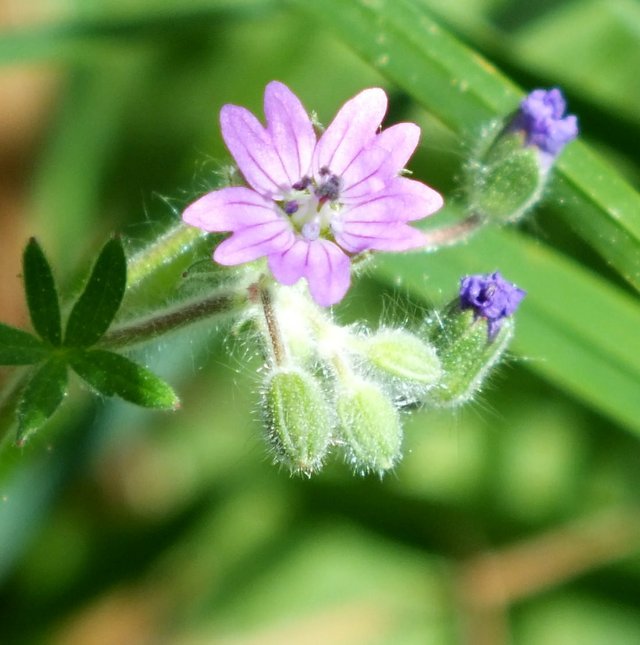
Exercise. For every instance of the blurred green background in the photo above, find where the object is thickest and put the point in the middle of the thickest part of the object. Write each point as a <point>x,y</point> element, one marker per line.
<point>513,520</point>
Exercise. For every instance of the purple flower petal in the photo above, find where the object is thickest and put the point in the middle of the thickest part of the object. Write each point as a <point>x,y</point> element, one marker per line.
<point>291,131</point>
<point>249,244</point>
<point>230,209</point>
<point>402,200</point>
<point>254,151</point>
<point>289,266</point>
<point>379,236</point>
<point>328,272</point>
<point>352,129</point>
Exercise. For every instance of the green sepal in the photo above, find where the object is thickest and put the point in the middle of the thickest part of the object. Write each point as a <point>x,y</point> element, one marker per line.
<point>112,374</point>
<point>467,354</point>
<point>18,347</point>
<point>506,178</point>
<point>42,297</point>
<point>96,308</point>
<point>41,397</point>
<point>297,418</point>
<point>369,426</point>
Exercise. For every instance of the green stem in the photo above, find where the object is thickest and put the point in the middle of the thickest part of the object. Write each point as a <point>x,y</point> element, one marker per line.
<point>455,233</point>
<point>224,301</point>
<point>273,329</point>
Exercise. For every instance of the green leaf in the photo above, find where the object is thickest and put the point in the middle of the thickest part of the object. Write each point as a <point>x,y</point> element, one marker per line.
<point>41,397</point>
<point>97,306</point>
<point>18,347</point>
<point>42,296</point>
<point>465,91</point>
<point>573,328</point>
<point>114,375</point>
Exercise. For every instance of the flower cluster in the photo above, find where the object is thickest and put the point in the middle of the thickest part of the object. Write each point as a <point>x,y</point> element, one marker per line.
<point>491,297</point>
<point>311,204</point>
<point>542,118</point>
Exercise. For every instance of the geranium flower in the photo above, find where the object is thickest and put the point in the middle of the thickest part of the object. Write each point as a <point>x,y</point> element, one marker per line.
<point>311,205</point>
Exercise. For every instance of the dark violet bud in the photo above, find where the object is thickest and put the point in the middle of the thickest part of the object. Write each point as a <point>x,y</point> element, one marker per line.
<point>472,336</point>
<point>511,165</point>
<point>542,119</point>
<point>491,297</point>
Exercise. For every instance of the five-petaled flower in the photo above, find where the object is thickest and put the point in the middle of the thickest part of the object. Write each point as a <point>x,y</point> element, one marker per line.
<point>491,297</point>
<point>311,204</point>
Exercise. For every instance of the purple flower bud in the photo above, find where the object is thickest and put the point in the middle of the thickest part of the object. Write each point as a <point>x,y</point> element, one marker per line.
<point>491,297</point>
<point>542,118</point>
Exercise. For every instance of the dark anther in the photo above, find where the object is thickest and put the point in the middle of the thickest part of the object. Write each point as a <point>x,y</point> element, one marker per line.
<point>302,183</point>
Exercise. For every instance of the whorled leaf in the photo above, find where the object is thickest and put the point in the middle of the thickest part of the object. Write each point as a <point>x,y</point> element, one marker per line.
<point>41,397</point>
<point>18,347</point>
<point>42,296</point>
<point>96,308</point>
<point>112,374</point>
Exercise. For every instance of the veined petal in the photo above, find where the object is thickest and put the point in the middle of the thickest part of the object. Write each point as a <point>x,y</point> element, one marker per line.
<point>362,176</point>
<point>401,200</point>
<point>352,129</point>
<point>254,151</point>
<point>328,272</point>
<point>401,141</point>
<point>249,244</point>
<point>289,266</point>
<point>291,131</point>
<point>230,209</point>
<point>380,236</point>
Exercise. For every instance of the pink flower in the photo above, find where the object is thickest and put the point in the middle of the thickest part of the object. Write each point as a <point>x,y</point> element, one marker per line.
<point>313,204</point>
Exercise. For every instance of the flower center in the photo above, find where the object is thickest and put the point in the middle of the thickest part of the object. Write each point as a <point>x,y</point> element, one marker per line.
<point>312,206</point>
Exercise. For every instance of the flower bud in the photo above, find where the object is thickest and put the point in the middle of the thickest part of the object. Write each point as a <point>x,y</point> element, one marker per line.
<point>370,427</point>
<point>512,168</point>
<point>297,418</point>
<point>475,331</point>
<point>403,356</point>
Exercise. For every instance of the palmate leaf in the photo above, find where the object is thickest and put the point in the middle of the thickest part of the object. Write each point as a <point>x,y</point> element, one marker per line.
<point>97,306</point>
<point>18,347</point>
<point>111,374</point>
<point>41,397</point>
<point>464,91</point>
<point>41,293</point>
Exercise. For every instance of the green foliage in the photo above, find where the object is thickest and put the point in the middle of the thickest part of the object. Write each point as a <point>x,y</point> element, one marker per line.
<point>43,394</point>
<point>177,529</point>
<point>111,374</point>
<point>17,347</point>
<point>42,296</point>
<point>96,308</point>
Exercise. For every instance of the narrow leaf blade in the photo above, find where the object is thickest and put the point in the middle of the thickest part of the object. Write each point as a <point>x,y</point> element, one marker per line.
<point>111,374</point>
<point>41,397</point>
<point>41,293</point>
<point>97,306</point>
<point>18,347</point>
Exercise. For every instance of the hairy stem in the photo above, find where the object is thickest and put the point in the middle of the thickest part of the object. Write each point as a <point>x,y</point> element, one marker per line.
<point>455,233</point>
<point>272,326</point>
<point>224,301</point>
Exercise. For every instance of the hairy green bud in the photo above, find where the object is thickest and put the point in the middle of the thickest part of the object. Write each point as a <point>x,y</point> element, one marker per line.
<point>467,353</point>
<point>297,418</point>
<point>369,426</point>
<point>403,356</point>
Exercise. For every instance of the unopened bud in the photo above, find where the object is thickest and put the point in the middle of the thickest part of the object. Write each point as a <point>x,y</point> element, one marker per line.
<point>403,356</point>
<point>298,419</point>
<point>474,333</point>
<point>513,164</point>
<point>370,427</point>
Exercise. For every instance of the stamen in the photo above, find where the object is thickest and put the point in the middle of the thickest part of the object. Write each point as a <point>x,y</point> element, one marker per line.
<point>328,190</point>
<point>291,207</point>
<point>301,184</point>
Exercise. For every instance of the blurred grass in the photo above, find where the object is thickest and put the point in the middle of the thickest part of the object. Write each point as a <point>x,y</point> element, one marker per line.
<point>118,525</point>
